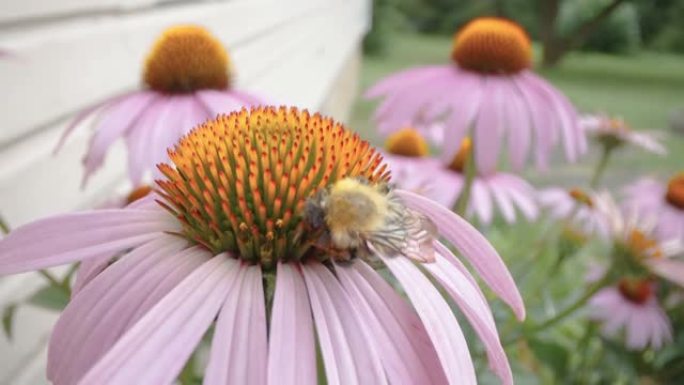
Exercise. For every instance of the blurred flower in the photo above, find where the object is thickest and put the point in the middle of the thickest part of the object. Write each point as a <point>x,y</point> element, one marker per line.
<point>638,248</point>
<point>663,202</point>
<point>187,80</point>
<point>286,198</point>
<point>489,93</point>
<point>415,171</point>
<point>577,206</point>
<point>615,132</point>
<point>633,306</point>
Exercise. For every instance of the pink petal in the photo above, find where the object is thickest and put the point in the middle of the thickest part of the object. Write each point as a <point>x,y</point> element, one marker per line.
<point>156,348</point>
<point>472,245</point>
<point>487,130</point>
<point>458,124</point>
<point>344,345</point>
<point>542,121</point>
<point>410,321</point>
<point>397,334</point>
<point>519,126</point>
<point>222,102</point>
<point>291,350</point>
<point>88,270</point>
<point>481,201</point>
<point>116,121</point>
<point>87,112</point>
<point>71,237</point>
<point>141,138</point>
<point>99,315</point>
<point>502,199</point>
<point>670,269</point>
<point>469,299</point>
<point>238,349</point>
<point>401,79</point>
<point>439,320</point>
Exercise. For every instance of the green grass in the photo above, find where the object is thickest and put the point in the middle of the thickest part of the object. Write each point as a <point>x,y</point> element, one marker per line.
<point>644,88</point>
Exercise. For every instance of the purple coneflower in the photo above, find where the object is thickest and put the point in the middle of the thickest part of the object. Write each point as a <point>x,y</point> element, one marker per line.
<point>632,306</point>
<point>663,202</point>
<point>489,92</point>
<point>581,208</point>
<point>413,170</point>
<point>270,212</point>
<point>615,132</point>
<point>187,80</point>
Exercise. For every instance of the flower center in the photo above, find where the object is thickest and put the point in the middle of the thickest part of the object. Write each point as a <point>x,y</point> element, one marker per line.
<point>185,59</point>
<point>461,158</point>
<point>492,45</point>
<point>407,142</point>
<point>643,246</point>
<point>581,197</point>
<point>242,181</point>
<point>138,193</point>
<point>675,191</point>
<point>636,290</point>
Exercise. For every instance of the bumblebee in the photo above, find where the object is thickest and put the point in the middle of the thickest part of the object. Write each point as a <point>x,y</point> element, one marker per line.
<point>354,216</point>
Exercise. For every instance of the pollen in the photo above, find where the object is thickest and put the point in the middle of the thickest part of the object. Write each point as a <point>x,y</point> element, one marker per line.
<point>138,193</point>
<point>637,291</point>
<point>461,158</point>
<point>354,206</point>
<point>407,142</point>
<point>643,246</point>
<point>581,197</point>
<point>186,58</point>
<point>675,191</point>
<point>492,45</point>
<point>241,182</point>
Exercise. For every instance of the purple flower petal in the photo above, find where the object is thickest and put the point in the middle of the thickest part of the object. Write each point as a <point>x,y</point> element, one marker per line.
<point>291,350</point>
<point>344,345</point>
<point>72,237</point>
<point>473,246</point>
<point>439,320</point>
<point>156,348</point>
<point>238,349</point>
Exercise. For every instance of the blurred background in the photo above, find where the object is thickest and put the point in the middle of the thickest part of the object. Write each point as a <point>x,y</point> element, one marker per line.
<point>622,57</point>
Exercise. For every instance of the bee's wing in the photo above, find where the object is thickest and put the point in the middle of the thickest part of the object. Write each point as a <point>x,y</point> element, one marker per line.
<point>407,233</point>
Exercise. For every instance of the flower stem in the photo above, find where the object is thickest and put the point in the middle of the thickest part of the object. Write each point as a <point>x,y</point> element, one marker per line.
<point>461,206</point>
<point>601,166</point>
<point>4,227</point>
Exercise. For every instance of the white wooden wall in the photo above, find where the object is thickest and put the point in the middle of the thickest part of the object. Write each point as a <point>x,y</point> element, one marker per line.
<point>67,54</point>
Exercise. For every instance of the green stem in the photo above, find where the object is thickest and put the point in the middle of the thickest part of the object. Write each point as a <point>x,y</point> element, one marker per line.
<point>601,166</point>
<point>54,281</point>
<point>461,206</point>
<point>188,376</point>
<point>4,227</point>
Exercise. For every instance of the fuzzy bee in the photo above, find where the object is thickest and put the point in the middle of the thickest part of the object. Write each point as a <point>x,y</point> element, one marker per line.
<point>353,216</point>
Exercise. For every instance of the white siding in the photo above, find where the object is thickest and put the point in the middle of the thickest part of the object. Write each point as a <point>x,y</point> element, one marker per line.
<point>68,54</point>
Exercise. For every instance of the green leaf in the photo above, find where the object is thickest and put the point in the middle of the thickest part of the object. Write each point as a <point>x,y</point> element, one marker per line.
<point>50,297</point>
<point>554,355</point>
<point>8,319</point>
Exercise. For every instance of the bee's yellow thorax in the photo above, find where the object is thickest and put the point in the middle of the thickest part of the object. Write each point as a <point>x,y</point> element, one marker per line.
<point>354,205</point>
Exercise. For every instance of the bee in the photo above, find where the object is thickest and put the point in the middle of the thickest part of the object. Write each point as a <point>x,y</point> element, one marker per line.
<point>354,216</point>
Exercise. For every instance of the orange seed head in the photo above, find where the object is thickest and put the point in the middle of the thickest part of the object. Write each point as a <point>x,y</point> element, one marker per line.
<point>407,142</point>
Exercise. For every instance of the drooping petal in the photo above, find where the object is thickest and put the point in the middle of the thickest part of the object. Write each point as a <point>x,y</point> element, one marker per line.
<point>291,350</point>
<point>238,349</point>
<point>344,345</point>
<point>396,331</point>
<point>155,349</point>
<point>116,299</point>
<point>473,246</point>
<point>502,199</point>
<point>439,320</point>
<point>487,130</point>
<point>469,299</point>
<point>141,139</point>
<point>481,202</point>
<point>222,102</point>
<point>519,126</point>
<point>72,237</point>
<point>89,269</point>
<point>669,268</point>
<point>116,121</point>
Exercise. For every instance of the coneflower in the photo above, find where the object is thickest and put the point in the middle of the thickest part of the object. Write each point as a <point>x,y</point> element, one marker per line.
<point>187,79</point>
<point>269,222</point>
<point>489,92</point>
